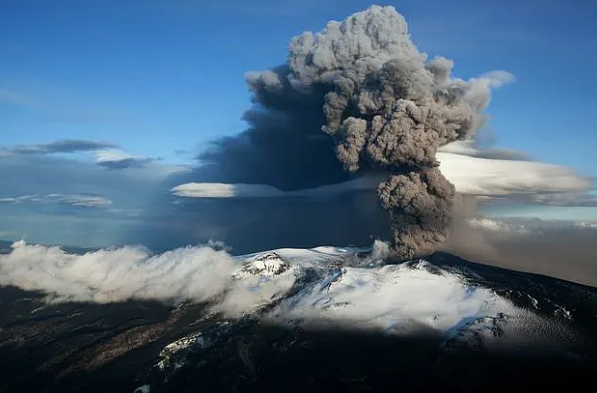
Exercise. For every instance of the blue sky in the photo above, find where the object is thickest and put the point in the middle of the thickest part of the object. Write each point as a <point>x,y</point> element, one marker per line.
<point>161,78</point>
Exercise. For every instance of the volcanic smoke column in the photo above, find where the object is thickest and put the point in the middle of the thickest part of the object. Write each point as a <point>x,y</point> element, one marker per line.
<point>388,110</point>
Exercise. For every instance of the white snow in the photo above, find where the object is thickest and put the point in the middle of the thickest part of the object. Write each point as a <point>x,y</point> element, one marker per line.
<point>268,265</point>
<point>143,389</point>
<point>166,355</point>
<point>393,298</point>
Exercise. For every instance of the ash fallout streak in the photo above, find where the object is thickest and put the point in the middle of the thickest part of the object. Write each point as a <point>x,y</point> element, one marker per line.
<point>359,98</point>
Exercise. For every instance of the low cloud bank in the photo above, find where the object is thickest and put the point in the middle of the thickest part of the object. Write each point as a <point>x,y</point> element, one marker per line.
<point>110,275</point>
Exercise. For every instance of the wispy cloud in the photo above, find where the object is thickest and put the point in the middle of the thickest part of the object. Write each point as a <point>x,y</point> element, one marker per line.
<point>19,199</point>
<point>107,156</point>
<point>75,200</point>
<point>588,199</point>
<point>117,159</point>
<point>61,146</point>
<point>80,200</point>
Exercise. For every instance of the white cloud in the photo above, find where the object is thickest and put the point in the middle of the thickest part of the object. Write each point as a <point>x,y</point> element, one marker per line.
<point>81,200</point>
<point>20,199</point>
<point>499,226</point>
<point>195,273</point>
<point>118,159</point>
<point>485,176</point>
<point>468,168</point>
<point>239,190</point>
<point>113,155</point>
<point>222,190</point>
<point>111,275</point>
<point>469,148</point>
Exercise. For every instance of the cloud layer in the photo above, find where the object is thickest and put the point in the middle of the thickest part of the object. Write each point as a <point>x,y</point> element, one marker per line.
<point>469,148</point>
<point>478,175</point>
<point>72,200</point>
<point>61,146</point>
<point>489,172</point>
<point>117,159</point>
<point>116,275</point>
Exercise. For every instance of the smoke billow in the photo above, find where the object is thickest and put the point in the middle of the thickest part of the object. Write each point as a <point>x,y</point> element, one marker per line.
<point>382,107</point>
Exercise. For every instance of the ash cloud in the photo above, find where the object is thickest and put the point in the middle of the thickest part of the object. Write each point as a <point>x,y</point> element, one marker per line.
<point>359,98</point>
<point>562,249</point>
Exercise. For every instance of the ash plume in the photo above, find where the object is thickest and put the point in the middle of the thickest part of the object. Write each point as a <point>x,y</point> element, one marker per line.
<point>358,97</point>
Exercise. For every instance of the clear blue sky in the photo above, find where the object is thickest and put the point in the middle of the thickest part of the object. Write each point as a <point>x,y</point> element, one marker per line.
<point>159,77</point>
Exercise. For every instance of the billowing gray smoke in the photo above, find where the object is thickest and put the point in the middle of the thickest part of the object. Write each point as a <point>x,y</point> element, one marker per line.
<point>360,90</point>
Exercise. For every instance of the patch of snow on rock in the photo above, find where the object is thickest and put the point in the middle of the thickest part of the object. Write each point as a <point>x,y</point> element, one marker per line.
<point>168,353</point>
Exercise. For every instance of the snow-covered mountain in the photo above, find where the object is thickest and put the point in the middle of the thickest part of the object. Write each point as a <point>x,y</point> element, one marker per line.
<point>464,306</point>
<point>166,322</point>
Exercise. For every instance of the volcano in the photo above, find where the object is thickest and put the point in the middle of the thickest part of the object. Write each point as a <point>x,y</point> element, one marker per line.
<point>312,320</point>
